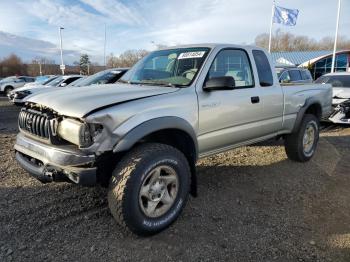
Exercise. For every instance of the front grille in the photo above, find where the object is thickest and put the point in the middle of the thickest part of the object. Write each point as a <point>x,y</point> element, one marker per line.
<point>35,123</point>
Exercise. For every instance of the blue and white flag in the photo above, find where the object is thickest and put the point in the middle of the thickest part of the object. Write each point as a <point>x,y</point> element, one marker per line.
<point>285,16</point>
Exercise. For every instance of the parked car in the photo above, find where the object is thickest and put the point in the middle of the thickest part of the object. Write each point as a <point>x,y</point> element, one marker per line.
<point>294,75</point>
<point>340,84</point>
<point>10,83</point>
<point>19,95</point>
<point>104,77</point>
<point>40,80</point>
<point>107,76</point>
<point>143,138</point>
<point>341,96</point>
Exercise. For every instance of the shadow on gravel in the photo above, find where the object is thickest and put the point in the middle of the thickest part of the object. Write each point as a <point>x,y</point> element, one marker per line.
<point>8,117</point>
<point>285,211</point>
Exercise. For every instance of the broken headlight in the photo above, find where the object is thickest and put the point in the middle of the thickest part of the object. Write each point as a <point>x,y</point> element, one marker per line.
<point>78,133</point>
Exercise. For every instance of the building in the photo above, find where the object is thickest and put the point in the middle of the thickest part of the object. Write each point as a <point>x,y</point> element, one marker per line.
<point>318,62</point>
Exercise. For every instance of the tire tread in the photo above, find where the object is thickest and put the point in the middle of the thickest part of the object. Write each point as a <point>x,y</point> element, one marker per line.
<point>120,180</point>
<point>292,144</point>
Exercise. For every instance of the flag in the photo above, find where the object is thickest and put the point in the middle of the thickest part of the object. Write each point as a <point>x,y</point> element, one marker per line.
<point>285,16</point>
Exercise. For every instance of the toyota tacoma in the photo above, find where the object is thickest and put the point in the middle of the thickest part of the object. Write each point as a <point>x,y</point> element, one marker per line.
<point>142,136</point>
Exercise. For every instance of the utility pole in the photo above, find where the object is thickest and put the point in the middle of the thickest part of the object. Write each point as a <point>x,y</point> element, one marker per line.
<point>336,37</point>
<point>41,73</point>
<point>62,66</point>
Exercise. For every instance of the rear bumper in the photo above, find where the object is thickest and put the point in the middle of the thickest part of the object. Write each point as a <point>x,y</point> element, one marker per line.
<point>49,163</point>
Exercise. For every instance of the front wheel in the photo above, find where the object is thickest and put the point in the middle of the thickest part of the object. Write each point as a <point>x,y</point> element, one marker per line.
<point>149,188</point>
<point>301,145</point>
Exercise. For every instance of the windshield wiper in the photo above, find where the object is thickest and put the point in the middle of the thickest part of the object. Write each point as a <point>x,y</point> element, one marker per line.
<point>168,84</point>
<point>150,83</point>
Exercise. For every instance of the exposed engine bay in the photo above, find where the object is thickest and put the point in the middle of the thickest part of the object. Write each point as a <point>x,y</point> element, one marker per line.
<point>341,113</point>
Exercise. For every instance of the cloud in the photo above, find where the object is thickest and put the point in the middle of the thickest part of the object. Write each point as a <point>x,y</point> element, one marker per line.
<point>116,11</point>
<point>136,23</point>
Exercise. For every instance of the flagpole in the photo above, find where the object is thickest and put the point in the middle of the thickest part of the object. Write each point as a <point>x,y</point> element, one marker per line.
<point>272,14</point>
<point>104,48</point>
<point>336,37</point>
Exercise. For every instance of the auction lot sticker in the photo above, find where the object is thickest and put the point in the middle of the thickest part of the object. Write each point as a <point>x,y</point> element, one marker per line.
<point>187,55</point>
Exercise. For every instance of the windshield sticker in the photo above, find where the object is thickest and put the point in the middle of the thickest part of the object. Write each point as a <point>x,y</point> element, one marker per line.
<point>188,55</point>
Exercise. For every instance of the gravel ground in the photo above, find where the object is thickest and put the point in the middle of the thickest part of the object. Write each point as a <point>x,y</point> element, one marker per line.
<point>253,205</point>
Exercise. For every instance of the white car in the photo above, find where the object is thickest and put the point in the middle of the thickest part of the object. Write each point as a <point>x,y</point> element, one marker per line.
<point>19,95</point>
<point>341,96</point>
<point>41,80</point>
<point>340,84</point>
<point>107,76</point>
<point>10,83</point>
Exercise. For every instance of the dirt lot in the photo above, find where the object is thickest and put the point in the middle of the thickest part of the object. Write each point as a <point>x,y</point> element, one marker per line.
<point>254,205</point>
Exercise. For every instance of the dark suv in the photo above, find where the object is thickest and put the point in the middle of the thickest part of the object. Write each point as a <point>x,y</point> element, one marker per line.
<point>294,75</point>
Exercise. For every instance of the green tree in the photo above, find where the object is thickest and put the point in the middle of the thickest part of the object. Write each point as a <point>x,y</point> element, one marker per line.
<point>84,64</point>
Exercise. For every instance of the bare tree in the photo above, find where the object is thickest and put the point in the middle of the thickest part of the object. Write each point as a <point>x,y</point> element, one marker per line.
<point>12,65</point>
<point>284,41</point>
<point>126,59</point>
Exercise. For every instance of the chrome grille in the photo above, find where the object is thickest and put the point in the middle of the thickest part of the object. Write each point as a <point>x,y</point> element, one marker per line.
<point>35,123</point>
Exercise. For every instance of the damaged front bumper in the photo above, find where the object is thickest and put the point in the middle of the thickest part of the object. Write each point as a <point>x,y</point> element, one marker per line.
<point>341,114</point>
<point>50,163</point>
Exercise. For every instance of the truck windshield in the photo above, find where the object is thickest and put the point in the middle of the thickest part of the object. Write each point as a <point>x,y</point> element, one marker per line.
<point>173,67</point>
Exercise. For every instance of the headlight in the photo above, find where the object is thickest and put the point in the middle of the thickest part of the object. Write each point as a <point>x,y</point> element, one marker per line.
<point>78,133</point>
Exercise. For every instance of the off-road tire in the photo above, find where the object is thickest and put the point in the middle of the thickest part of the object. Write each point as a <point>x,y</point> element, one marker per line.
<point>293,143</point>
<point>126,181</point>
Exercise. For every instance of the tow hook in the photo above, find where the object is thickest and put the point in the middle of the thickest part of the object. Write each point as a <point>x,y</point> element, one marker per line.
<point>52,174</point>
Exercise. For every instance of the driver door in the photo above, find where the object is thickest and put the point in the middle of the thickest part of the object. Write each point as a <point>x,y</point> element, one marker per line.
<point>229,117</point>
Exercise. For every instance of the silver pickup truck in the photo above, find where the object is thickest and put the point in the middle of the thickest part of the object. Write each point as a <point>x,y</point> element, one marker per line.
<point>142,136</point>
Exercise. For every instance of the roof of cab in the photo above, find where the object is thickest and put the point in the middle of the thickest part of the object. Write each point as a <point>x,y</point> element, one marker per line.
<point>214,45</point>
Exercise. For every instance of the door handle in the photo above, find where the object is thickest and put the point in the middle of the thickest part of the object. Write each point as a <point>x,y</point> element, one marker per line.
<point>255,99</point>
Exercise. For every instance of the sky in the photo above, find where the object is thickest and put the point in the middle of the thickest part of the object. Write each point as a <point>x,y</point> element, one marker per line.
<point>142,24</point>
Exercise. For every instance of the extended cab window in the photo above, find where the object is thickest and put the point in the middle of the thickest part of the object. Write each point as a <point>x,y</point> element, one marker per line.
<point>233,63</point>
<point>263,67</point>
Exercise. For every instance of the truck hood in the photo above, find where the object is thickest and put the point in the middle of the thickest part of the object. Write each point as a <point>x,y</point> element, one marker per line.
<point>341,92</point>
<point>78,102</point>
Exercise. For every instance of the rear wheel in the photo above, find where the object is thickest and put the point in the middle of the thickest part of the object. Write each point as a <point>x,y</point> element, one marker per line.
<point>8,89</point>
<point>301,145</point>
<point>149,188</point>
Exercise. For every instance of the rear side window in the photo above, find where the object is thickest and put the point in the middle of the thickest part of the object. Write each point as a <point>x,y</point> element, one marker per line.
<point>263,67</point>
<point>306,75</point>
<point>70,80</point>
<point>295,75</point>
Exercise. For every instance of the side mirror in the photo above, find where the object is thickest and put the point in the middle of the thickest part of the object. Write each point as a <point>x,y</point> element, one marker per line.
<point>285,81</point>
<point>63,84</point>
<point>219,83</point>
